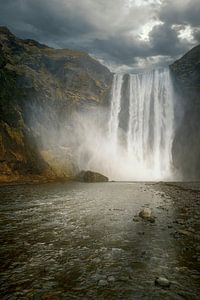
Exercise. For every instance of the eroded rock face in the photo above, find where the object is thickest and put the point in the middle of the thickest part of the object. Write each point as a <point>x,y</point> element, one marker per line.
<point>186,79</point>
<point>90,176</point>
<point>48,85</point>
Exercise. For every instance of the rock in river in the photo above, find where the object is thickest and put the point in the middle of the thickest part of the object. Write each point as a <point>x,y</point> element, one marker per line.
<point>90,176</point>
<point>146,214</point>
<point>162,281</point>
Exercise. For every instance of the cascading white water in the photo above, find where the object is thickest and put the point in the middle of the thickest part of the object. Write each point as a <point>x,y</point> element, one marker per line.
<point>147,151</point>
<point>134,142</point>
<point>115,108</point>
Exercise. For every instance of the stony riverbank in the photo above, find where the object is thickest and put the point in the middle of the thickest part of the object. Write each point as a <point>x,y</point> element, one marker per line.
<point>185,223</point>
<point>89,241</point>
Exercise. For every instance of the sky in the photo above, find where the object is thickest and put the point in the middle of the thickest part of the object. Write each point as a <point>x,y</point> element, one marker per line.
<point>123,34</point>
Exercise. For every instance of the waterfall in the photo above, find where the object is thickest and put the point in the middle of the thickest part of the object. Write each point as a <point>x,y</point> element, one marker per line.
<point>115,108</point>
<point>149,134</point>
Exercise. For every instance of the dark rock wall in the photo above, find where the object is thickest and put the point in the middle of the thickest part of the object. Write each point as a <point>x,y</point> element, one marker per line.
<point>36,80</point>
<point>186,145</point>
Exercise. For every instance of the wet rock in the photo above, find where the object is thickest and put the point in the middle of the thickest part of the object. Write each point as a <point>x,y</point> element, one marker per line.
<point>102,282</point>
<point>111,278</point>
<point>141,232</point>
<point>162,281</point>
<point>96,260</point>
<point>98,277</point>
<point>198,248</point>
<point>151,219</point>
<point>90,176</point>
<point>179,221</point>
<point>161,207</point>
<point>184,232</point>
<point>146,214</point>
<point>116,252</point>
<point>124,278</point>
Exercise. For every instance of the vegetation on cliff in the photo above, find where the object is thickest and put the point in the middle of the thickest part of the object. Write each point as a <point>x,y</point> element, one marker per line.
<point>35,79</point>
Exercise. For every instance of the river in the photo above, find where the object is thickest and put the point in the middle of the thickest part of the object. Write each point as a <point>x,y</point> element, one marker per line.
<point>79,241</point>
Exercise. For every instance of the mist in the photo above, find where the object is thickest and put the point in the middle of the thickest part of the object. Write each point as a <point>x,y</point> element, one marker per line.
<point>130,139</point>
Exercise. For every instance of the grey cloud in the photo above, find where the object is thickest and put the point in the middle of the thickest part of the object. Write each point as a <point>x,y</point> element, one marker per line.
<point>180,12</point>
<point>106,28</point>
<point>196,34</point>
<point>123,48</point>
<point>164,41</point>
<point>46,19</point>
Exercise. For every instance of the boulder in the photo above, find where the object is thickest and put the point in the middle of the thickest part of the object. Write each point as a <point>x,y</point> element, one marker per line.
<point>90,176</point>
<point>146,214</point>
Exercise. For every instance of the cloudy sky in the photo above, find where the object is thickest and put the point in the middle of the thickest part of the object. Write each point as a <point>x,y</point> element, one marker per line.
<point>125,33</point>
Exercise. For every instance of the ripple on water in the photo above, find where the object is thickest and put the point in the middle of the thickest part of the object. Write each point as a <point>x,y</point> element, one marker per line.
<point>79,240</point>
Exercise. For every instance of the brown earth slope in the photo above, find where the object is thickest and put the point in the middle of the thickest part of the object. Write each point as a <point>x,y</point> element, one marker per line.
<point>57,81</point>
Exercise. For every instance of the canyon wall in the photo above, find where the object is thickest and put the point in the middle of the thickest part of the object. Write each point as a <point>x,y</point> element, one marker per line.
<point>39,88</point>
<point>186,145</point>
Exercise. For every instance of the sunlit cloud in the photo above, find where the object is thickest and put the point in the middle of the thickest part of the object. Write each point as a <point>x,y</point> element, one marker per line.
<point>119,32</point>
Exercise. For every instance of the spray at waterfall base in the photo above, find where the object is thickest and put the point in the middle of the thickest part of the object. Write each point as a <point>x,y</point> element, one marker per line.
<point>129,140</point>
<point>134,140</point>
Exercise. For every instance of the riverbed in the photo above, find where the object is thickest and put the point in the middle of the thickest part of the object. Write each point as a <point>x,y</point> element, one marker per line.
<point>86,241</point>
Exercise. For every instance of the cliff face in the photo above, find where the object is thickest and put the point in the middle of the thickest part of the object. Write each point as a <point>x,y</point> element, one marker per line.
<point>41,87</point>
<point>186,146</point>
<point>37,80</point>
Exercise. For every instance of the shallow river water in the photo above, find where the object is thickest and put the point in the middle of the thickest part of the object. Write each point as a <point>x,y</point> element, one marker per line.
<point>79,241</point>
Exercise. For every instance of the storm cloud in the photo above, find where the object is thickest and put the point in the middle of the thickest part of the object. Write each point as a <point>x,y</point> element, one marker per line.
<point>132,33</point>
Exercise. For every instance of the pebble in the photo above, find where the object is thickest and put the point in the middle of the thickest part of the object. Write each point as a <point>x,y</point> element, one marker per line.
<point>145,213</point>
<point>102,282</point>
<point>111,278</point>
<point>162,281</point>
<point>96,260</point>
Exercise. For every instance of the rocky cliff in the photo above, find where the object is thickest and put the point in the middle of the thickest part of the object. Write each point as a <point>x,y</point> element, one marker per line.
<point>186,146</point>
<point>41,87</point>
<point>38,80</point>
